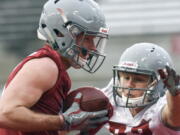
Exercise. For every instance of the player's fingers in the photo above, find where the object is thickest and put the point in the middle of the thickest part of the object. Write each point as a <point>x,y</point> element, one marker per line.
<point>173,73</point>
<point>85,132</point>
<point>77,101</point>
<point>74,108</point>
<point>169,71</point>
<point>98,114</point>
<point>177,80</point>
<point>99,120</point>
<point>162,73</point>
<point>166,82</point>
<point>93,126</point>
<point>78,97</point>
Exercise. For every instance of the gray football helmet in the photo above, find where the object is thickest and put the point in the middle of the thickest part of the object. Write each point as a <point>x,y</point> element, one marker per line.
<point>62,21</point>
<point>146,59</point>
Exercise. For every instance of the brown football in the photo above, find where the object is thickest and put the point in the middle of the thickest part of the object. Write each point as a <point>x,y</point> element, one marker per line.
<point>91,100</point>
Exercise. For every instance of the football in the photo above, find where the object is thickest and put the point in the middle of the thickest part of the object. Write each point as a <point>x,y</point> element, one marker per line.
<point>91,100</point>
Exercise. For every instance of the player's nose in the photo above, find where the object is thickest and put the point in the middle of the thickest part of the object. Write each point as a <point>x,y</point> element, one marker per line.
<point>130,83</point>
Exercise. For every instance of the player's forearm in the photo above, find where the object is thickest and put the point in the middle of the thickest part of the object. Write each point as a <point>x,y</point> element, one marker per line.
<point>172,110</point>
<point>23,119</point>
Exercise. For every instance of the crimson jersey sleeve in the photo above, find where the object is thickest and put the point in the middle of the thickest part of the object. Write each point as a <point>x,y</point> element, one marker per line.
<point>51,102</point>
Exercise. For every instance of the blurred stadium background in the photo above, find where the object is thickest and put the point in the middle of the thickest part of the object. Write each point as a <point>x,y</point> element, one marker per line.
<point>130,21</point>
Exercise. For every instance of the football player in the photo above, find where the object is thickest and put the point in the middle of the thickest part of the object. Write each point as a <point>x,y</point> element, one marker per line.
<point>32,101</point>
<point>145,93</point>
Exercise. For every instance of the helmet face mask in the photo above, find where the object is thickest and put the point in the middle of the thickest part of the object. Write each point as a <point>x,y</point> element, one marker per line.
<point>143,59</point>
<point>87,49</point>
<point>91,63</point>
<point>130,97</point>
<point>63,21</point>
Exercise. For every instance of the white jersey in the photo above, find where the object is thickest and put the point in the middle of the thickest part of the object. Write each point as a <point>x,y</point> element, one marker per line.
<point>146,122</point>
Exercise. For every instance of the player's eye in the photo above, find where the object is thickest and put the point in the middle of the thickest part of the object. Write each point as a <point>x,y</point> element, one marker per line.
<point>127,78</point>
<point>139,80</point>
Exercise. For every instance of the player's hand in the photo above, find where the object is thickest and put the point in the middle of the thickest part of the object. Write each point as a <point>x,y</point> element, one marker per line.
<point>171,80</point>
<point>76,119</point>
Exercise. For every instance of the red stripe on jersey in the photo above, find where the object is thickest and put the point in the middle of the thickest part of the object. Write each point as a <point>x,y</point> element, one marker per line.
<point>119,129</point>
<point>142,129</point>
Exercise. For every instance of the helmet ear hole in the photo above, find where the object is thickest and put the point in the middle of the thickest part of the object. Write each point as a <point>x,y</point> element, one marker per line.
<point>58,33</point>
<point>43,25</point>
<point>63,44</point>
<point>56,1</point>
